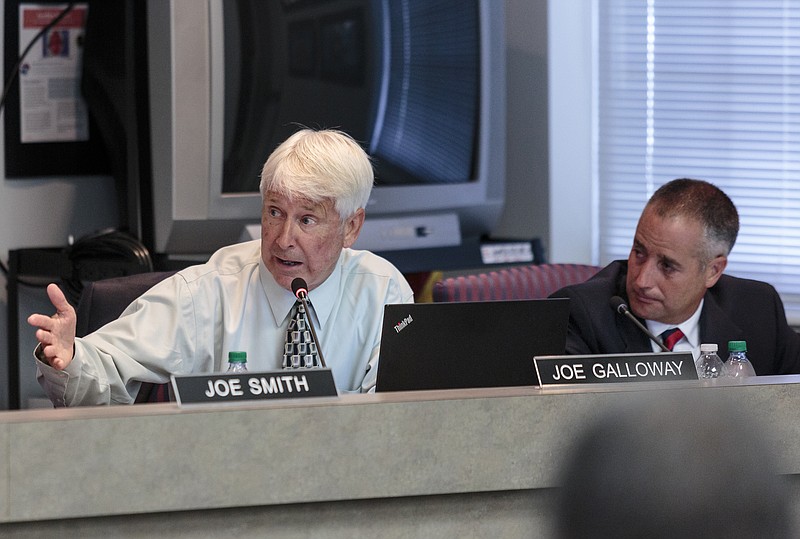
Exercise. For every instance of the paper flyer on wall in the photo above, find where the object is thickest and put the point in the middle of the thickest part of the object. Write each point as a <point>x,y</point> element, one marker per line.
<point>51,106</point>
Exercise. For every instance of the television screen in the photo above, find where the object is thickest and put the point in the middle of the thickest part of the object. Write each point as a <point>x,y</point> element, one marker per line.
<point>420,83</point>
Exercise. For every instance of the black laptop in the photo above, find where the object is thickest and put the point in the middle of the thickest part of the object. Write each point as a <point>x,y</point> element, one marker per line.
<point>468,344</point>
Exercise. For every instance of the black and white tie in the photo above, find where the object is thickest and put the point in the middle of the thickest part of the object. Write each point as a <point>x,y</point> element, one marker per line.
<point>300,350</point>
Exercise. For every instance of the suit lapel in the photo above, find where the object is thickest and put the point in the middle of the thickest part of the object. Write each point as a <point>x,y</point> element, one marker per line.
<point>715,325</point>
<point>634,339</point>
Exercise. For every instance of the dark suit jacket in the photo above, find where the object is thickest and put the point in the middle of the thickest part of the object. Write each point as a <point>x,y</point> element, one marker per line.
<point>734,310</point>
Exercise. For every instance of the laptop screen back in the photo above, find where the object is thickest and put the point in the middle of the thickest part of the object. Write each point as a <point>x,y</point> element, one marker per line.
<point>468,344</point>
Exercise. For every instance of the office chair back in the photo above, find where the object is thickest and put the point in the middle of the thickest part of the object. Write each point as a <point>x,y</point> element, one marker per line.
<point>517,282</point>
<point>103,301</point>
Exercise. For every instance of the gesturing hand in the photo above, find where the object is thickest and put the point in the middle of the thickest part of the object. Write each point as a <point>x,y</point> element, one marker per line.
<point>56,333</point>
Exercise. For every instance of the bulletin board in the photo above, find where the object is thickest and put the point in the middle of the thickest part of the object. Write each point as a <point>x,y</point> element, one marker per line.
<point>48,129</point>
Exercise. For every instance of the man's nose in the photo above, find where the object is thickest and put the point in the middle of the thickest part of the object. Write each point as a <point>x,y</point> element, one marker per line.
<point>645,275</point>
<point>286,234</point>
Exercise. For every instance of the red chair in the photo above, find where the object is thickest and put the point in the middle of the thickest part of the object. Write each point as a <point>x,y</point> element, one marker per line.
<point>518,282</point>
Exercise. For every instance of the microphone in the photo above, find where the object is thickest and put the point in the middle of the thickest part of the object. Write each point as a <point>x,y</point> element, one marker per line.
<point>300,288</point>
<point>618,304</point>
<point>300,291</point>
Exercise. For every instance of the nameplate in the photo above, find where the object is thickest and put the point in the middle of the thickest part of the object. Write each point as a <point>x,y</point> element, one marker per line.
<point>268,385</point>
<point>614,368</point>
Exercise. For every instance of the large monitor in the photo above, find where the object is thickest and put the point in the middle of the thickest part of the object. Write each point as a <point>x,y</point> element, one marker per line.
<point>420,83</point>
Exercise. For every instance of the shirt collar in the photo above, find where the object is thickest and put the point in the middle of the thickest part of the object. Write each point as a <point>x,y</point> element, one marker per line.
<point>322,298</point>
<point>690,327</point>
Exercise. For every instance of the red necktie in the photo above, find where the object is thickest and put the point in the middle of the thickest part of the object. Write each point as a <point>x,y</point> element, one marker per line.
<point>670,337</point>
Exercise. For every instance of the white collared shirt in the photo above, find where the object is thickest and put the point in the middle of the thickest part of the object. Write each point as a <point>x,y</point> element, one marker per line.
<point>690,342</point>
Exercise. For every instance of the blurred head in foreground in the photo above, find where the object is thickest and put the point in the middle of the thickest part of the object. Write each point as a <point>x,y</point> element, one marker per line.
<point>673,467</point>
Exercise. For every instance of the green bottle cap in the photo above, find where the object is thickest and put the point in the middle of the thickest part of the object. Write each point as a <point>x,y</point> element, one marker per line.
<point>737,346</point>
<point>237,357</point>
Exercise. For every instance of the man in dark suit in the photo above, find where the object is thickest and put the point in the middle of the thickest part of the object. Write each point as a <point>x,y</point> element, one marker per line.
<point>673,278</point>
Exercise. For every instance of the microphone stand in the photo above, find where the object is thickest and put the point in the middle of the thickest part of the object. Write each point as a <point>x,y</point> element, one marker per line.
<point>619,305</point>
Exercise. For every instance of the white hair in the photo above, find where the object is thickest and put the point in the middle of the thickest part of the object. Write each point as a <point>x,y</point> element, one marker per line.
<point>319,165</point>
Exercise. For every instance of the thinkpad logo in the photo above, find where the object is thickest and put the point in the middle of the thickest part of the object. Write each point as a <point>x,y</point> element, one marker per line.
<point>400,326</point>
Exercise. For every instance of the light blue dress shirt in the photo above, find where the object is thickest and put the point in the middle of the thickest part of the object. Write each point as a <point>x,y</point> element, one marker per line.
<point>189,322</point>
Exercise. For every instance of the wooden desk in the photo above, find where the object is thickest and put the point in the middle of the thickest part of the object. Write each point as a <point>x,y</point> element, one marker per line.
<point>463,463</point>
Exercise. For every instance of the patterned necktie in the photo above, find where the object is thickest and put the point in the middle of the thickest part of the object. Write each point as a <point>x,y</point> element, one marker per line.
<point>670,337</point>
<point>300,350</point>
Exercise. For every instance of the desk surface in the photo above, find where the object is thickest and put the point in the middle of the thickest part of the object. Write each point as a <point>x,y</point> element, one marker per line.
<point>127,460</point>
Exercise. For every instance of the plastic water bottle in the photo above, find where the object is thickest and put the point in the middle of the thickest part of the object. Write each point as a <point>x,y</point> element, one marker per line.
<point>237,362</point>
<point>738,366</point>
<point>709,364</point>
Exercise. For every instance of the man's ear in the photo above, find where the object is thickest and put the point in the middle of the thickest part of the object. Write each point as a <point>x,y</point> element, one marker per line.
<point>714,270</point>
<point>352,227</point>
